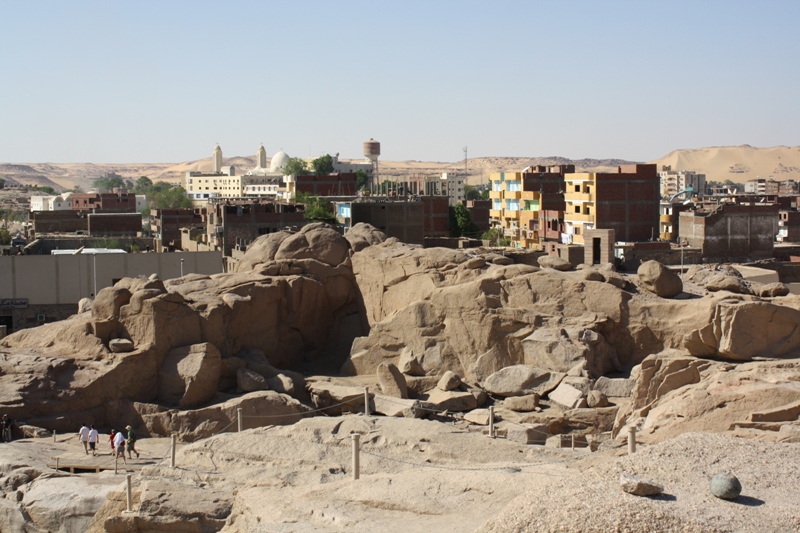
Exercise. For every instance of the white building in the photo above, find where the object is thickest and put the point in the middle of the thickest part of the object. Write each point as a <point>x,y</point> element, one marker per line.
<point>453,186</point>
<point>225,183</point>
<point>675,181</point>
<point>51,203</point>
<point>351,166</point>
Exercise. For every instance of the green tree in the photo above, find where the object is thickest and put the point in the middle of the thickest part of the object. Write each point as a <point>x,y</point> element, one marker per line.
<point>45,189</point>
<point>466,227</point>
<point>109,183</point>
<point>295,167</point>
<point>317,209</point>
<point>143,185</point>
<point>5,236</point>
<point>495,237</point>
<point>471,193</point>
<point>171,198</point>
<point>361,179</point>
<point>323,165</point>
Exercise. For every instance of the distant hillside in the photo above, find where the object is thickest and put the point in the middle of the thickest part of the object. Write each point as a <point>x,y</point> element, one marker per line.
<point>737,163</point>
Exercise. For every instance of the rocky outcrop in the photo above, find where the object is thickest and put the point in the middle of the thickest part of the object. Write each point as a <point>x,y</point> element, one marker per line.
<point>551,261</point>
<point>659,280</point>
<point>521,380</point>
<point>190,375</point>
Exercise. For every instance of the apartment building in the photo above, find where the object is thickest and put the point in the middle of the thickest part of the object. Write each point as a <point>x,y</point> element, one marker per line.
<point>676,181</point>
<point>626,201</point>
<point>515,210</point>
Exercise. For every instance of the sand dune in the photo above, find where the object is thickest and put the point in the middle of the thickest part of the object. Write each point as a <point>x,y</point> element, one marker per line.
<point>737,163</point>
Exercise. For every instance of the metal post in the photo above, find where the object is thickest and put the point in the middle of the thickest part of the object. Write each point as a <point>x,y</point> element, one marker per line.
<point>239,418</point>
<point>356,451</point>
<point>130,499</point>
<point>573,442</point>
<point>631,440</point>
<point>681,259</point>
<point>491,421</point>
<point>181,267</point>
<point>54,435</point>
<point>172,460</point>
<point>94,268</point>
<point>116,458</point>
<point>56,463</point>
<point>366,401</point>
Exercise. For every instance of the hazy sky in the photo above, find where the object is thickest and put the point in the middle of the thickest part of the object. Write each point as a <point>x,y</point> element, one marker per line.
<point>163,81</point>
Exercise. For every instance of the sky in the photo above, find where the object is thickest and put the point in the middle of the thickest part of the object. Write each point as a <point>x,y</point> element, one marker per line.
<point>126,82</point>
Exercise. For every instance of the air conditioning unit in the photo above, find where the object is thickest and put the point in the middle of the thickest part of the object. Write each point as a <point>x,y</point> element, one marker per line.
<point>41,317</point>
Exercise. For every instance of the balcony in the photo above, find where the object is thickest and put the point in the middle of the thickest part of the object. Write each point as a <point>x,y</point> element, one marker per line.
<point>666,219</point>
<point>511,232</point>
<point>528,215</point>
<point>512,195</point>
<point>511,215</point>
<point>577,217</point>
<point>496,195</point>
<point>496,213</point>
<point>578,197</point>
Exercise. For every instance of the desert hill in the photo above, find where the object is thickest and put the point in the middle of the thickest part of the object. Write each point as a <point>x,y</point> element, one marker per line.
<point>737,163</point>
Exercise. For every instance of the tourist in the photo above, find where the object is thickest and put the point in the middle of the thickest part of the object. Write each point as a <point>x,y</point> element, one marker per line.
<point>119,446</point>
<point>131,442</point>
<point>7,425</point>
<point>83,435</point>
<point>93,436</point>
<point>111,440</point>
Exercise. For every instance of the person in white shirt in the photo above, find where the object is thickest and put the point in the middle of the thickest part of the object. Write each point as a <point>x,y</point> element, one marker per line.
<point>93,436</point>
<point>119,446</point>
<point>83,435</point>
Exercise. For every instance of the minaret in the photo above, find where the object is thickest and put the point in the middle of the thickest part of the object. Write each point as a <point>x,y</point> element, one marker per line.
<point>217,160</point>
<point>261,157</point>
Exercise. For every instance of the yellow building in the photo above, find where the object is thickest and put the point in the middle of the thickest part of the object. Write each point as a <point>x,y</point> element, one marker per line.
<point>579,195</point>
<point>515,210</point>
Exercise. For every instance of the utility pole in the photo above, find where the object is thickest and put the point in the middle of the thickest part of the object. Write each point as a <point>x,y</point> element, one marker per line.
<point>466,168</point>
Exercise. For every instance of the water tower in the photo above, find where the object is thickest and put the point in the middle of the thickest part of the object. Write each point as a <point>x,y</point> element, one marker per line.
<point>372,150</point>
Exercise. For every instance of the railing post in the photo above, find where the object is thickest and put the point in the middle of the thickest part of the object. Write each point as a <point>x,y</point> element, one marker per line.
<point>366,401</point>
<point>573,442</point>
<point>492,432</point>
<point>239,417</point>
<point>116,458</point>
<point>56,464</point>
<point>54,435</point>
<point>130,499</point>
<point>356,455</point>
<point>172,452</point>
<point>631,440</point>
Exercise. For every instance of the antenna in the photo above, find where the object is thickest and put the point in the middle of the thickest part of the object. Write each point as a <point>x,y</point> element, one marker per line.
<point>466,168</point>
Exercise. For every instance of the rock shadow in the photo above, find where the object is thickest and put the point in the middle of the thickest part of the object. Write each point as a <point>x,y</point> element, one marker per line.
<point>663,497</point>
<point>749,501</point>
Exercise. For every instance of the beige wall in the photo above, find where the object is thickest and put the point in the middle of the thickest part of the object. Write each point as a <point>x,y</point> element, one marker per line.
<point>65,279</point>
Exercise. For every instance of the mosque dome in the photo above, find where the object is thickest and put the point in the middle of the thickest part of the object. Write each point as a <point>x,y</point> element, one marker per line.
<point>278,161</point>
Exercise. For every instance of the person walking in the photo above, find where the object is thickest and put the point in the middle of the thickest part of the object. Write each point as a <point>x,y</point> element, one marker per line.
<point>111,440</point>
<point>119,446</point>
<point>93,437</point>
<point>7,425</point>
<point>83,435</point>
<point>131,442</point>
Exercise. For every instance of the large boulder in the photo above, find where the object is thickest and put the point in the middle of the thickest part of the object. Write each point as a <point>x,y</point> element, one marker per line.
<point>449,381</point>
<point>362,235</point>
<point>392,381</point>
<point>522,404</point>
<point>190,375</point>
<point>727,283</point>
<point>772,290</point>
<point>250,381</point>
<point>567,396</point>
<point>520,380</point>
<point>453,400</point>
<point>551,261</point>
<point>660,280</point>
<point>315,241</point>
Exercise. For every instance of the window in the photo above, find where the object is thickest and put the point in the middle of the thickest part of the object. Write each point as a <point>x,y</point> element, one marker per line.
<point>513,185</point>
<point>578,209</point>
<point>577,230</point>
<point>498,205</point>
<point>577,188</point>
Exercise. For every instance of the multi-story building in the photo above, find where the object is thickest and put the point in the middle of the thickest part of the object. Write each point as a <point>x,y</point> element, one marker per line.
<point>788,226</point>
<point>453,187</point>
<point>626,201</point>
<point>761,186</point>
<point>788,188</point>
<point>410,220</point>
<point>676,181</point>
<point>166,224</point>
<point>731,232</point>
<point>112,202</point>
<point>529,206</point>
